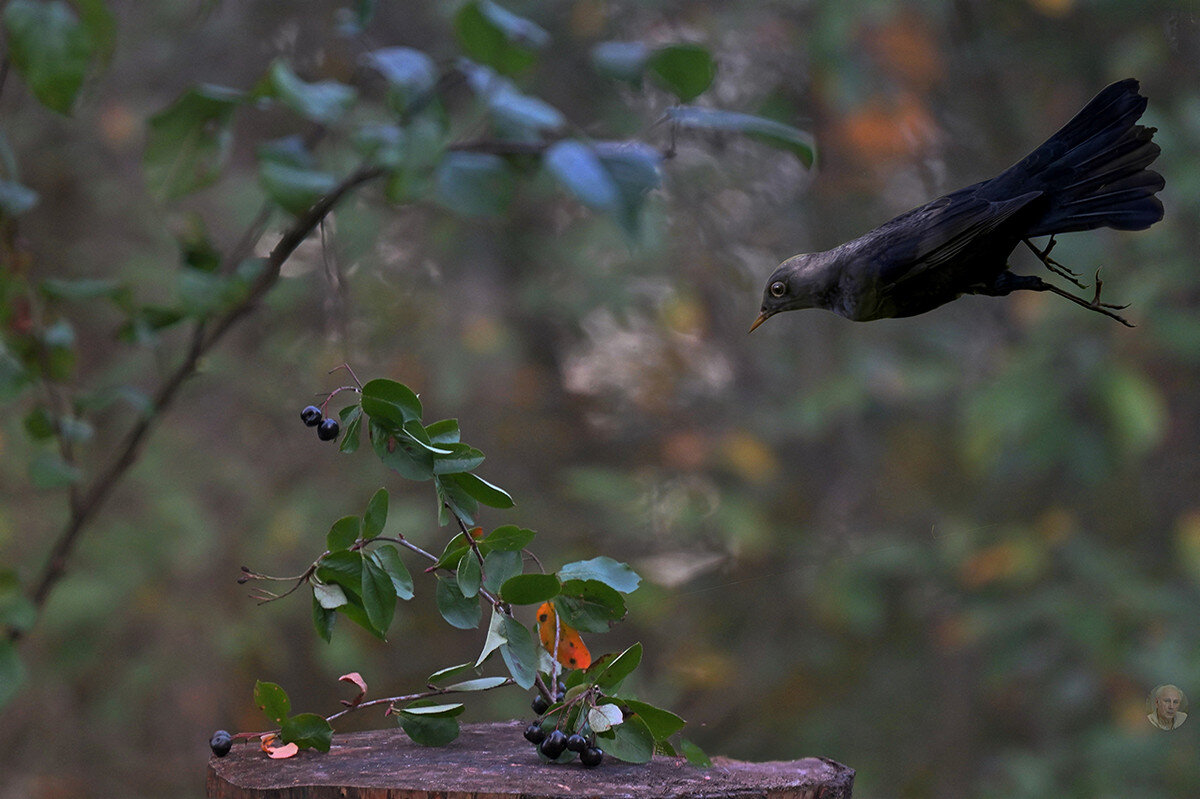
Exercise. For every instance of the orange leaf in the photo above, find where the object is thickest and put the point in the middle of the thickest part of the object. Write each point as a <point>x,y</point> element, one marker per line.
<point>282,752</point>
<point>572,651</point>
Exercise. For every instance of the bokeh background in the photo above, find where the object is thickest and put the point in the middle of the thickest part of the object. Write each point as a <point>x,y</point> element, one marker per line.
<point>954,552</point>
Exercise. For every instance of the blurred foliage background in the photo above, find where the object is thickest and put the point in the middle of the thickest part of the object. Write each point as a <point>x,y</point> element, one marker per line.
<point>954,552</point>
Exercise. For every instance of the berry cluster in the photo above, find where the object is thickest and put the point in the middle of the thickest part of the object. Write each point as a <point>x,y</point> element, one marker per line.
<point>327,429</point>
<point>220,743</point>
<point>552,744</point>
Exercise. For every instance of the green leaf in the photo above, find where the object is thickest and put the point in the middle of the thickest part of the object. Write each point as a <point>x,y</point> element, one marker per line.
<point>48,470</point>
<point>13,376</point>
<point>443,432</point>
<point>411,74</point>
<point>50,48</point>
<point>495,637</point>
<point>589,605</point>
<point>497,37</point>
<point>633,167</point>
<point>12,672</point>
<point>608,571</point>
<point>323,617</point>
<point>686,70</point>
<point>400,454</point>
<point>329,596</point>
<point>630,741</point>
<point>459,458</point>
<point>38,424</point>
<point>480,684</point>
<point>450,671</point>
<point>611,670</point>
<point>776,134</point>
<point>661,723</point>
<point>447,709</point>
<point>694,754</point>
<point>523,113</point>
<point>101,27</point>
<point>378,595</point>
<point>343,533</point>
<point>376,516</point>
<point>391,402</point>
<point>530,589</point>
<point>429,730</point>
<point>456,609</point>
<point>272,700</point>
<point>344,568</point>
<point>454,550</point>
<point>498,566</point>
<point>509,537</point>
<point>491,495</point>
<point>294,189</point>
<point>468,575</point>
<point>452,497</point>
<point>580,171</point>
<point>81,290</point>
<point>474,184</point>
<point>16,199</point>
<point>519,653</point>
<point>17,611</point>
<point>324,102</point>
<point>308,731</point>
<point>414,431</point>
<point>188,143</point>
<point>621,60</point>
<point>388,557</point>
<point>351,419</point>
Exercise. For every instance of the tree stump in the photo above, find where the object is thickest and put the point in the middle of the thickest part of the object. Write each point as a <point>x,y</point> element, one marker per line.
<point>493,761</point>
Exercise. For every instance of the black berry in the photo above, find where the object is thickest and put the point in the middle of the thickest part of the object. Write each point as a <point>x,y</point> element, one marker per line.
<point>221,742</point>
<point>591,757</point>
<point>554,744</point>
<point>535,734</point>
<point>311,416</point>
<point>576,742</point>
<point>328,430</point>
<point>539,704</point>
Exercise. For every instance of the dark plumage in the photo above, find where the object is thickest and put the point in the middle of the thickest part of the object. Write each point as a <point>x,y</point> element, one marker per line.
<point>1092,173</point>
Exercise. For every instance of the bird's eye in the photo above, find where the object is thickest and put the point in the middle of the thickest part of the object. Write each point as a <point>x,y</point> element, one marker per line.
<point>778,288</point>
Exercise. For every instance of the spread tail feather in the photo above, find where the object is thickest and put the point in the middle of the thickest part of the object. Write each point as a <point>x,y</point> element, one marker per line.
<point>1094,171</point>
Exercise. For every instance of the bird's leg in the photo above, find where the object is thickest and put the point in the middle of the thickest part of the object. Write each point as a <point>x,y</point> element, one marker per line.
<point>1006,283</point>
<point>1051,264</point>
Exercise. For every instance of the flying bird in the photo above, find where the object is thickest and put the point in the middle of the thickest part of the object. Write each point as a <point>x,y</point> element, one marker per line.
<point>1091,174</point>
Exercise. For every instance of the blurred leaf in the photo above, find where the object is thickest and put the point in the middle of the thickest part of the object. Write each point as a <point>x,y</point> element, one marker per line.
<point>16,199</point>
<point>634,168</point>
<point>188,142</point>
<point>661,723</point>
<point>766,130</point>
<point>12,672</point>
<point>589,605</point>
<point>608,571</point>
<point>458,610</point>
<point>621,60</point>
<point>474,184</point>
<point>495,36</point>
<point>38,424</point>
<point>686,70</point>
<point>80,290</point>
<point>50,48</point>
<point>392,402</point>
<point>498,566</point>
<point>13,377</point>
<point>17,611</point>
<point>509,537</point>
<point>272,700</point>
<point>631,741</point>
<point>388,558</point>
<point>376,516</point>
<point>294,189</point>
<point>694,754</point>
<point>307,730</point>
<point>48,470</point>
<point>101,27</point>
<point>1135,407</point>
<point>519,653</point>
<point>581,172</point>
<point>324,102</point>
<point>530,589</point>
<point>468,575</point>
<point>411,74</point>
<point>343,533</point>
<point>481,490</point>
<point>352,20</point>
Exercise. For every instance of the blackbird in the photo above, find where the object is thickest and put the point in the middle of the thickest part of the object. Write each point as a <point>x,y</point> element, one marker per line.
<point>1090,174</point>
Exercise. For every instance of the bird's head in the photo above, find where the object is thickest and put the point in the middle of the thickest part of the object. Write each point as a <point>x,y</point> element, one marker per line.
<point>799,282</point>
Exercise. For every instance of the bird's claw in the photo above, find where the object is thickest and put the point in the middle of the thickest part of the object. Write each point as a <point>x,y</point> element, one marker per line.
<point>1054,266</point>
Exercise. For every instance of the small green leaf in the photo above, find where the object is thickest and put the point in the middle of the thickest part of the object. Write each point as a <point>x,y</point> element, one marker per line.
<point>188,143</point>
<point>411,74</point>
<point>16,199</point>
<point>351,419</point>
<point>776,134</point>
<point>634,168</point>
<point>447,709</point>
<point>272,700</point>
<point>391,402</point>
<point>456,609</point>
<point>589,605</point>
<point>621,60</point>
<point>530,589</point>
<point>343,533</point>
<point>441,675</point>
<point>474,184</point>
<point>38,424</point>
<point>480,684</point>
<point>308,731</point>
<point>324,102</point>
<point>661,723</point>
<point>414,431</point>
<point>509,537</point>
<point>344,568</point>
<point>324,617</point>
<point>495,637</point>
<point>491,495</point>
<point>611,670</point>
<point>376,516</point>
<point>444,432</point>
<point>452,498</point>
<point>48,470</point>
<point>513,110</point>
<point>497,37</point>
<point>460,458</point>
<point>519,653</point>
<point>428,730</point>
<point>686,70</point>
<point>50,49</point>
<point>631,741</point>
<point>580,171</point>
<point>388,558</point>
<point>294,189</point>
<point>608,571</point>
<point>378,595</point>
<point>694,754</point>
<point>400,454</point>
<point>498,566</point>
<point>468,575</point>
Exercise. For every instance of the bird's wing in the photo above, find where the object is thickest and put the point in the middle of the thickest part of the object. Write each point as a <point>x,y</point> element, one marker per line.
<point>948,226</point>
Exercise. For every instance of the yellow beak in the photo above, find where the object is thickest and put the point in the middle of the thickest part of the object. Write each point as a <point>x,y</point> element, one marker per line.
<point>762,317</point>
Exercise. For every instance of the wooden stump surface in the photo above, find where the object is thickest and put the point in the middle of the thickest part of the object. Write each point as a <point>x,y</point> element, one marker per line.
<point>494,761</point>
